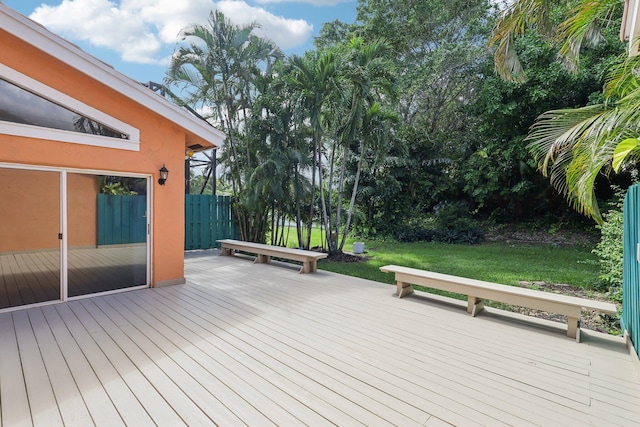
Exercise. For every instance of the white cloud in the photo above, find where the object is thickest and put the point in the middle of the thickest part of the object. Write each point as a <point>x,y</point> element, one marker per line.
<point>142,31</point>
<point>101,23</point>
<point>286,33</point>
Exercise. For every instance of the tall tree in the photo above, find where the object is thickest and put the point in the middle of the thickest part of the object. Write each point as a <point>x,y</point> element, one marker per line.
<point>500,175</point>
<point>368,79</point>
<point>312,82</point>
<point>216,68</point>
<point>435,47</point>
<point>284,150</point>
<point>338,92</point>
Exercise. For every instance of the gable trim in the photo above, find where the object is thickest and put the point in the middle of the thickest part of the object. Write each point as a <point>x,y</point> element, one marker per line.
<point>53,95</point>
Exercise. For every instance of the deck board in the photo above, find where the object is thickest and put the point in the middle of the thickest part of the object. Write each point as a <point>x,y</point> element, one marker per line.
<point>424,368</point>
<point>14,408</point>
<point>42,402</point>
<point>165,401</point>
<point>228,367</point>
<point>98,403</point>
<point>271,363</point>
<point>245,344</point>
<point>115,382</point>
<point>386,361</point>
<point>141,387</point>
<point>68,398</point>
<point>192,377</point>
<point>382,395</point>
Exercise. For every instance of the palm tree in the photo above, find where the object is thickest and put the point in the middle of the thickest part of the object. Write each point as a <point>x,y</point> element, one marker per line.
<point>573,146</point>
<point>313,82</point>
<point>368,77</point>
<point>216,68</point>
<point>337,93</point>
<point>283,153</point>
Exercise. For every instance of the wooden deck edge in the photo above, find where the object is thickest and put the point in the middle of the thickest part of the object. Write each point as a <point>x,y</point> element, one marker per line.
<point>171,282</point>
<point>632,353</point>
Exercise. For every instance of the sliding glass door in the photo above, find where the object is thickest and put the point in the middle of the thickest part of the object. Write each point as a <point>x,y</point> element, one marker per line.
<point>107,233</point>
<point>69,234</point>
<point>30,224</point>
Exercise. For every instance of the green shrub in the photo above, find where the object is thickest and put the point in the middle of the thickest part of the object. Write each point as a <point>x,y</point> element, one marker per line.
<point>412,233</point>
<point>449,223</point>
<point>609,251</point>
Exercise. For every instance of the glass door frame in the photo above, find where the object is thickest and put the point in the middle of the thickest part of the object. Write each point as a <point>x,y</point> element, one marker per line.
<point>63,228</point>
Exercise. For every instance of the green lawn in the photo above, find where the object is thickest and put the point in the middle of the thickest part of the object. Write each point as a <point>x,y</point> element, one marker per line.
<point>493,262</point>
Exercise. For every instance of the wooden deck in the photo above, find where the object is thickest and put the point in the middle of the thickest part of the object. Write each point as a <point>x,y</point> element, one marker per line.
<point>258,345</point>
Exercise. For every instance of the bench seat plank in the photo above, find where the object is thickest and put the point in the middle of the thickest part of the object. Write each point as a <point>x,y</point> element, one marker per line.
<point>477,290</point>
<point>264,253</point>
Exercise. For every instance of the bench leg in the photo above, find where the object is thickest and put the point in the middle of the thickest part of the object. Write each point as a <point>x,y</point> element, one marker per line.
<point>262,259</point>
<point>474,305</point>
<point>309,267</point>
<point>306,267</point>
<point>226,252</point>
<point>403,289</point>
<point>573,328</point>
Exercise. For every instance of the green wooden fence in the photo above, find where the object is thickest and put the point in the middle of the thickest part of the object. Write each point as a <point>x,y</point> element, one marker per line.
<point>121,219</point>
<point>207,219</point>
<point>631,270</point>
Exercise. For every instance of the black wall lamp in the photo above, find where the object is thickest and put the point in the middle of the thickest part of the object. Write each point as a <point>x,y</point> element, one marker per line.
<point>164,174</point>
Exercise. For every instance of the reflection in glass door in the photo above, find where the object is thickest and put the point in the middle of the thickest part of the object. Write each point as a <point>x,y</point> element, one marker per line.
<point>107,233</point>
<point>29,237</point>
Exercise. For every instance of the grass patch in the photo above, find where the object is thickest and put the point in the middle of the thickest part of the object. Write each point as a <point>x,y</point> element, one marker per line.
<point>493,262</point>
<point>504,263</point>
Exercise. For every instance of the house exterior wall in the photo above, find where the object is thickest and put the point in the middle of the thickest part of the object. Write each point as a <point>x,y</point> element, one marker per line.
<point>161,142</point>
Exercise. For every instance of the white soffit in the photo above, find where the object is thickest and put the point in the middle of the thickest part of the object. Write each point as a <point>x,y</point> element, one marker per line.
<point>44,40</point>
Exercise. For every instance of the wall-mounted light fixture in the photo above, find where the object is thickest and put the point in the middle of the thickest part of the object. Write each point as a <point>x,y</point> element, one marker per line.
<point>164,174</point>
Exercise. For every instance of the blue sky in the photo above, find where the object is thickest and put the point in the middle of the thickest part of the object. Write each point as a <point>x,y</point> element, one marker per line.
<point>138,36</point>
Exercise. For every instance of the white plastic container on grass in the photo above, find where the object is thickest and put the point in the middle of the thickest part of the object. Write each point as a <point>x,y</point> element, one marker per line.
<point>358,247</point>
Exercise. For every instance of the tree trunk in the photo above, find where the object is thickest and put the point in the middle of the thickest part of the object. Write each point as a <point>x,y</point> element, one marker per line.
<point>353,196</point>
<point>313,188</point>
<point>331,243</point>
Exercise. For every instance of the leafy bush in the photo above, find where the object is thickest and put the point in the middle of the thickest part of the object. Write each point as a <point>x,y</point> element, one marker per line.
<point>609,251</point>
<point>450,223</point>
<point>412,233</point>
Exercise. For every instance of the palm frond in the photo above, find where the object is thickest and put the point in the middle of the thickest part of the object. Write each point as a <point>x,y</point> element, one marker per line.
<point>520,15</point>
<point>572,147</point>
<point>583,28</point>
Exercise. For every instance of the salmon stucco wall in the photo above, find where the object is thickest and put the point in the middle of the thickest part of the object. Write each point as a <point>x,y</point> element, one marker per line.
<point>161,142</point>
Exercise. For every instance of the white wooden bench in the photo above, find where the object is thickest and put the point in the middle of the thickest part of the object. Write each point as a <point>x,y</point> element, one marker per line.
<point>264,253</point>
<point>477,290</point>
